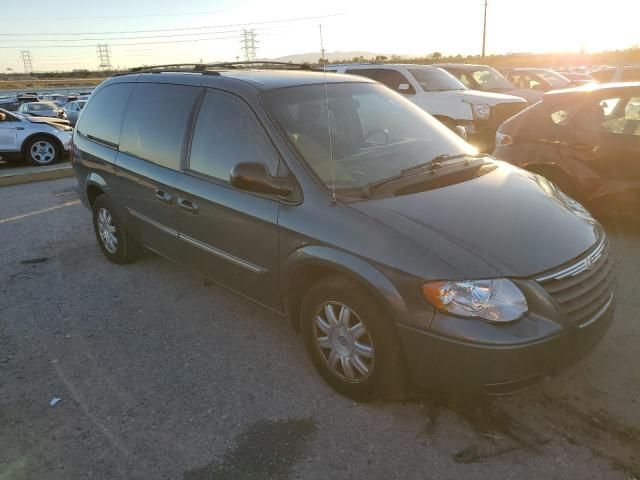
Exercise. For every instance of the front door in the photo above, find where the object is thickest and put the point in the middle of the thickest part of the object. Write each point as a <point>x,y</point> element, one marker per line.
<point>231,236</point>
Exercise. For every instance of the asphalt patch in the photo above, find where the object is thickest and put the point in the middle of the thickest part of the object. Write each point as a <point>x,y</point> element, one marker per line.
<point>266,449</point>
<point>32,261</point>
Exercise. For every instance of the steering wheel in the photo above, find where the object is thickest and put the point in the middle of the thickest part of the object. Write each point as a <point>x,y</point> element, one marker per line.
<point>376,131</point>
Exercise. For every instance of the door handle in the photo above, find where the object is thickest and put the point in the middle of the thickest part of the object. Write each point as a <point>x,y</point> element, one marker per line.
<point>19,128</point>
<point>188,205</point>
<point>162,195</point>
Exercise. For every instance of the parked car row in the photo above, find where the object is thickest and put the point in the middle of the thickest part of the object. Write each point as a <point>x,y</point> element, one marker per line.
<point>445,97</point>
<point>400,253</point>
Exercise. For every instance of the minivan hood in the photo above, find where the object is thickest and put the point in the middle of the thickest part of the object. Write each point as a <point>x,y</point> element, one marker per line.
<point>478,97</point>
<point>508,222</point>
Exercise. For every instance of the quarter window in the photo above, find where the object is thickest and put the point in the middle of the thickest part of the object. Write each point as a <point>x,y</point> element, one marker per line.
<point>103,115</point>
<point>156,120</point>
<point>227,133</point>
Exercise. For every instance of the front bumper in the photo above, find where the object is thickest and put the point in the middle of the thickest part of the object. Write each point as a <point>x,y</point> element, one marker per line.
<point>441,363</point>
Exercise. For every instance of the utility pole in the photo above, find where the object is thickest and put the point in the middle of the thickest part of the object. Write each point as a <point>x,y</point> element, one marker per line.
<point>26,60</point>
<point>249,44</point>
<point>104,56</point>
<point>484,29</point>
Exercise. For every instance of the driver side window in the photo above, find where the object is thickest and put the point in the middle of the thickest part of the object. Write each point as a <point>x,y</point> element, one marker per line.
<point>621,116</point>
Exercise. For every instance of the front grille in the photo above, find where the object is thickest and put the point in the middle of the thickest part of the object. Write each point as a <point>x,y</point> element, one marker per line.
<point>584,288</point>
<point>504,111</point>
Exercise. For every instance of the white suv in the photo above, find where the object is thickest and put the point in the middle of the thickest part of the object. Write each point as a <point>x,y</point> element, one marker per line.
<point>40,141</point>
<point>443,96</point>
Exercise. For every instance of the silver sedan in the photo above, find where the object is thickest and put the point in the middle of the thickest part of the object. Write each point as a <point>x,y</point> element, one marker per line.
<point>39,141</point>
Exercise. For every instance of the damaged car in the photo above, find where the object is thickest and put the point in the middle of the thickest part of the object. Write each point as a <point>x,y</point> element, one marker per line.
<point>585,140</point>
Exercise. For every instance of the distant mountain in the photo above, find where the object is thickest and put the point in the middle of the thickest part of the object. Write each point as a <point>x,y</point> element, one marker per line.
<point>313,57</point>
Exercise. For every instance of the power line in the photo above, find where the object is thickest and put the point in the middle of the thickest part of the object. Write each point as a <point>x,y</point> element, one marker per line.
<point>101,17</point>
<point>129,44</point>
<point>171,35</point>
<point>246,24</point>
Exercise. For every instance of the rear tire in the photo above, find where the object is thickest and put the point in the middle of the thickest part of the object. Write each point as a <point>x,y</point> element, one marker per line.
<point>112,236</point>
<point>351,342</point>
<point>42,150</point>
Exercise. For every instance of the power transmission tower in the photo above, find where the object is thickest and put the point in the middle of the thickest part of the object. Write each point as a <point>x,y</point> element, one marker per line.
<point>249,44</point>
<point>484,29</point>
<point>26,60</point>
<point>104,56</point>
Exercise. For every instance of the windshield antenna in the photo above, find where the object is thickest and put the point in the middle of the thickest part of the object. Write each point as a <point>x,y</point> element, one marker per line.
<point>326,98</point>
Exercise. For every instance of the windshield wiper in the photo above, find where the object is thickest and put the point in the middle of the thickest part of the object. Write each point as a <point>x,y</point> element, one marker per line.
<point>430,166</point>
<point>436,162</point>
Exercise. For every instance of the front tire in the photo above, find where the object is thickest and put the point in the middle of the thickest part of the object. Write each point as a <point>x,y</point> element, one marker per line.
<point>42,150</point>
<point>112,236</point>
<point>351,343</point>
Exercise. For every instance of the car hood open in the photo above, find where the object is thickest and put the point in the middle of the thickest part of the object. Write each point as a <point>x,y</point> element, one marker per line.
<point>506,223</point>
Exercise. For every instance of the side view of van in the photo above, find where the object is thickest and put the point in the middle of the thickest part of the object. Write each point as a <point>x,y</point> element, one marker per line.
<point>399,253</point>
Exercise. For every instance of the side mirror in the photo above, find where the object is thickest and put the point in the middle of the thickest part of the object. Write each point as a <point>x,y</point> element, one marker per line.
<point>461,132</point>
<point>254,177</point>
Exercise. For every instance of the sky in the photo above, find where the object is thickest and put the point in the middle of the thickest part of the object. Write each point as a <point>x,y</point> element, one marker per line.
<point>62,35</point>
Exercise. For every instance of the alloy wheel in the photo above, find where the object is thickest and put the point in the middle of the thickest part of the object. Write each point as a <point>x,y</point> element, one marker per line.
<point>343,342</point>
<point>43,152</point>
<point>107,230</point>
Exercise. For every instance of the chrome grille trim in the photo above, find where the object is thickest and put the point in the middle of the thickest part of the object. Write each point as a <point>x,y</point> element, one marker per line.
<point>583,265</point>
<point>599,313</point>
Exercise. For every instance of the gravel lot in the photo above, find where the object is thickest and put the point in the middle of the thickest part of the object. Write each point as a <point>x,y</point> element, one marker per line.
<point>163,376</point>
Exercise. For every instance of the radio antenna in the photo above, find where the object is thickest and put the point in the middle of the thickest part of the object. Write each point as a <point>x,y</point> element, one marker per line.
<point>326,99</point>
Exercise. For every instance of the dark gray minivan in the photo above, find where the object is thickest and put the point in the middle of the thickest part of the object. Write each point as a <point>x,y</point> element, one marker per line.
<point>398,252</point>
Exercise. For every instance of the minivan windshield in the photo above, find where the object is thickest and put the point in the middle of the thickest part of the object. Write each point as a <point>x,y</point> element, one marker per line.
<point>375,132</point>
<point>433,79</point>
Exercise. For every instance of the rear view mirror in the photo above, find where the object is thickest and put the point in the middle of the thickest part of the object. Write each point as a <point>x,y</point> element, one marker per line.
<point>254,177</point>
<point>404,87</point>
<point>461,132</point>
<point>3,117</point>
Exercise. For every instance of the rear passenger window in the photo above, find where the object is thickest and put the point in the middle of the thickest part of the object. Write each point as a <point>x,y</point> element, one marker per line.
<point>227,133</point>
<point>102,118</point>
<point>155,122</point>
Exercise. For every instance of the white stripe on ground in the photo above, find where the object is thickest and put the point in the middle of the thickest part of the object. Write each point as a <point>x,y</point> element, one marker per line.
<point>38,212</point>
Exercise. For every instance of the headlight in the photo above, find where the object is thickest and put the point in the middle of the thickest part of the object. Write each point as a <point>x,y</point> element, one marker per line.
<point>496,300</point>
<point>482,111</point>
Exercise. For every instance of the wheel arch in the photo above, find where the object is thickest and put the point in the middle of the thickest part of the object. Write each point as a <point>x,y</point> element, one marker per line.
<point>50,136</point>
<point>308,265</point>
<point>95,185</point>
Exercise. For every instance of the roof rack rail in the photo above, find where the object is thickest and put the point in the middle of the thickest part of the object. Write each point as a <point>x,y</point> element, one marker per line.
<point>266,63</point>
<point>170,67</point>
<point>211,68</point>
